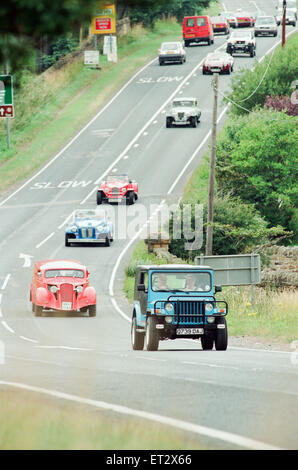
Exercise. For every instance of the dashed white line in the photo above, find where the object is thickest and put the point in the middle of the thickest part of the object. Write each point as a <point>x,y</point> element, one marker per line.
<point>29,339</point>
<point>7,327</point>
<point>45,240</point>
<point>5,282</point>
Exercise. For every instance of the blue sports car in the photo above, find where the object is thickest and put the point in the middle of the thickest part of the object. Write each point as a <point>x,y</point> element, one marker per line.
<point>89,226</point>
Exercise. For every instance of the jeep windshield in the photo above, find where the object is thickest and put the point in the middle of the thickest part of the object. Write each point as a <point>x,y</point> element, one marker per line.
<point>181,281</point>
<point>183,104</point>
<point>64,273</point>
<point>88,214</point>
<point>265,20</point>
<point>240,34</point>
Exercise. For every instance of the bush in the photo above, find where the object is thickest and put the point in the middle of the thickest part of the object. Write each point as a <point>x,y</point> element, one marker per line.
<point>238,228</point>
<point>256,160</point>
<point>271,77</point>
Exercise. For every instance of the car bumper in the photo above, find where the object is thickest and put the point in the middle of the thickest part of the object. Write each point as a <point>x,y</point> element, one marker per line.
<point>265,32</point>
<point>101,238</point>
<point>171,58</point>
<point>239,48</point>
<point>194,39</point>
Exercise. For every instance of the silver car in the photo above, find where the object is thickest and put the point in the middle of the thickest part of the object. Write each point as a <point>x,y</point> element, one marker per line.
<point>265,25</point>
<point>171,52</point>
<point>183,111</point>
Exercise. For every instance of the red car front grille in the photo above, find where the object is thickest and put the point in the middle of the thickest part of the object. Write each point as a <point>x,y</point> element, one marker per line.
<point>66,292</point>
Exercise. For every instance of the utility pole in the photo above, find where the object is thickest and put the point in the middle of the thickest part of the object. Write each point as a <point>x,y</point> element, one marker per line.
<point>209,237</point>
<point>283,39</point>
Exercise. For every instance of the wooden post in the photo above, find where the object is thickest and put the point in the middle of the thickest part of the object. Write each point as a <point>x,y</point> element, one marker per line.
<point>209,236</point>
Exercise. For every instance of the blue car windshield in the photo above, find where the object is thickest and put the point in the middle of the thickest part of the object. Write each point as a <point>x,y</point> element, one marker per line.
<point>88,214</point>
<point>181,281</point>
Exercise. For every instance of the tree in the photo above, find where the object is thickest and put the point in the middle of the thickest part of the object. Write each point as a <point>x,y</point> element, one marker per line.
<point>257,161</point>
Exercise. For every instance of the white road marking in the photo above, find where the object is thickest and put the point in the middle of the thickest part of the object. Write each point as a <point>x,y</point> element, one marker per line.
<point>27,260</point>
<point>29,339</point>
<point>234,439</point>
<point>71,348</point>
<point>66,220</point>
<point>150,359</point>
<point>5,282</point>
<point>7,327</point>
<point>45,240</point>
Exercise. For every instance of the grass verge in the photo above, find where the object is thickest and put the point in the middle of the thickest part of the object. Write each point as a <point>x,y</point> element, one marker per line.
<point>39,423</point>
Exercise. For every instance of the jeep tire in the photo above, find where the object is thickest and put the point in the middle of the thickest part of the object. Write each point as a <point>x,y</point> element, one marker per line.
<point>130,198</point>
<point>193,121</point>
<point>137,339</point>
<point>67,240</point>
<point>152,335</point>
<point>221,338</point>
<point>207,342</point>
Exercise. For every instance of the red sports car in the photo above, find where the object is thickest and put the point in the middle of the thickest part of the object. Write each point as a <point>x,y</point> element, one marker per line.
<point>220,25</point>
<point>61,285</point>
<point>117,188</point>
<point>219,62</point>
<point>245,19</point>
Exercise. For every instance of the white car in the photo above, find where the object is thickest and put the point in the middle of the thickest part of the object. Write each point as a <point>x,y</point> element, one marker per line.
<point>183,111</point>
<point>242,41</point>
<point>219,62</point>
<point>291,7</point>
<point>290,17</point>
<point>265,25</point>
<point>171,52</point>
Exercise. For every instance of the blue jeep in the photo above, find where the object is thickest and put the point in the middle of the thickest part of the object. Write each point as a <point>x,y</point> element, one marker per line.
<point>177,301</point>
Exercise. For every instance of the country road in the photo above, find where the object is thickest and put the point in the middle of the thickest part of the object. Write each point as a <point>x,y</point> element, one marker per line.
<point>235,399</point>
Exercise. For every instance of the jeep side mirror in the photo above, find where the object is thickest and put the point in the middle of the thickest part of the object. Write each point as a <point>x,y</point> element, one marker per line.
<point>141,287</point>
<point>218,289</point>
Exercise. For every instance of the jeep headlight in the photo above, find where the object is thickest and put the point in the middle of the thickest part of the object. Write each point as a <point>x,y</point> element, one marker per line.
<point>208,307</point>
<point>168,319</point>
<point>168,307</point>
<point>211,319</point>
<point>53,289</point>
<point>79,289</point>
<point>73,228</point>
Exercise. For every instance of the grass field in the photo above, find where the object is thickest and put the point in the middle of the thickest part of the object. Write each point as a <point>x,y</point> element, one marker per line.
<point>30,421</point>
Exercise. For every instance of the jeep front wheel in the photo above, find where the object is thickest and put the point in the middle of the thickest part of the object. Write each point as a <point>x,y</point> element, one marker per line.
<point>137,339</point>
<point>193,121</point>
<point>169,122</point>
<point>207,343</point>
<point>99,197</point>
<point>152,335</point>
<point>221,338</point>
<point>92,310</point>
<point>37,310</point>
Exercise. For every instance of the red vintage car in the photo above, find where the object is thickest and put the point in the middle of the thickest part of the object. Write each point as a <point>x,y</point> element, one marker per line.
<point>244,18</point>
<point>117,188</point>
<point>220,25</point>
<point>61,285</point>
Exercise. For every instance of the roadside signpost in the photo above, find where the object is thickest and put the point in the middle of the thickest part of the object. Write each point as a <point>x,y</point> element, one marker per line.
<point>104,22</point>
<point>91,58</point>
<point>234,270</point>
<point>6,102</point>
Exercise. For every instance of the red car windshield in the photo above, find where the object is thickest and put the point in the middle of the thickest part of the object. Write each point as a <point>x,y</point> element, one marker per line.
<point>64,273</point>
<point>115,178</point>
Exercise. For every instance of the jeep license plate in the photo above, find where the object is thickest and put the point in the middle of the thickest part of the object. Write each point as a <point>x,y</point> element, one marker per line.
<point>189,331</point>
<point>66,305</point>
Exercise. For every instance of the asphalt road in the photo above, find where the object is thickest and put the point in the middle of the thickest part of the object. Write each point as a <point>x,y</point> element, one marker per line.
<point>233,399</point>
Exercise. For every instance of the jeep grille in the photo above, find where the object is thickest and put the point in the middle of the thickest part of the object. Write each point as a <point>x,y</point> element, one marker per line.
<point>188,312</point>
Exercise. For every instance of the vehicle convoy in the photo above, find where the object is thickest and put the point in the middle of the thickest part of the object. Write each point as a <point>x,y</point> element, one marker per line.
<point>197,29</point>
<point>220,25</point>
<point>183,111</point>
<point>62,285</point>
<point>89,226</point>
<point>230,17</point>
<point>117,188</point>
<point>177,301</point>
<point>265,25</point>
<point>219,62</point>
<point>242,42</point>
<point>171,52</point>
